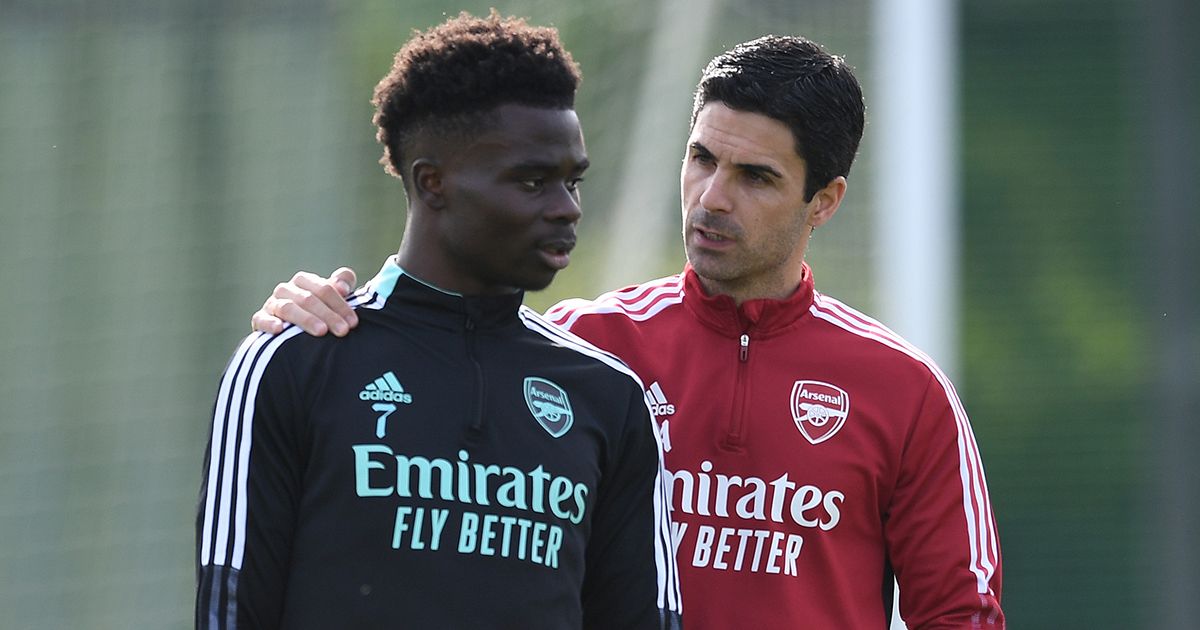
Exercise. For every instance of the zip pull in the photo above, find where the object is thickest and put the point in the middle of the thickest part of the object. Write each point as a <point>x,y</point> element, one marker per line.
<point>745,352</point>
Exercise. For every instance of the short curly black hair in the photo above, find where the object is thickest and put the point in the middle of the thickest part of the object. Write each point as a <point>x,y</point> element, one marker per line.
<point>449,79</point>
<point>794,81</point>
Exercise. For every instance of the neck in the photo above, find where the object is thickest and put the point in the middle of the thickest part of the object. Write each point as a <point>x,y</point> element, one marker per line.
<point>742,293</point>
<point>433,268</point>
<point>777,284</point>
<point>412,262</point>
<point>421,266</point>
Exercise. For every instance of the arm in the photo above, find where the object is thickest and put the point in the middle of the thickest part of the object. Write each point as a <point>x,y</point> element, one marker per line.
<point>315,304</point>
<point>250,488</point>
<point>631,579</point>
<point>940,530</point>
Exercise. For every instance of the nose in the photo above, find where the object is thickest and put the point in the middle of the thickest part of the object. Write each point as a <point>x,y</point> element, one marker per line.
<point>713,194</point>
<point>565,207</point>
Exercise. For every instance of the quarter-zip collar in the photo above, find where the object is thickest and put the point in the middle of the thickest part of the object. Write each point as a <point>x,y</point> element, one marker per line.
<point>766,317</point>
<point>753,321</point>
<point>439,307</point>
<point>395,293</point>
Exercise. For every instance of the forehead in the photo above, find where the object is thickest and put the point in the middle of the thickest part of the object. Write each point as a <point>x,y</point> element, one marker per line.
<point>746,138</point>
<point>520,133</point>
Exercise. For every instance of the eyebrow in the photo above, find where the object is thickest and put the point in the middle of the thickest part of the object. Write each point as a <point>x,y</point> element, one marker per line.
<point>537,165</point>
<point>759,169</point>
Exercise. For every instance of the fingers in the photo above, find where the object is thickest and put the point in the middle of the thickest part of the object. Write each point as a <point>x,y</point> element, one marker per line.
<point>332,293</point>
<point>345,278</point>
<point>313,303</point>
<point>266,322</point>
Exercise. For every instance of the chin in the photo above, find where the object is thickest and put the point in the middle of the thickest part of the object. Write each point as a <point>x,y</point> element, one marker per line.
<point>706,266</point>
<point>535,284</point>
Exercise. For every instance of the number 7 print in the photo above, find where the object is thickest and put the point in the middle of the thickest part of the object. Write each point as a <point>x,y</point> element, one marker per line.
<point>387,409</point>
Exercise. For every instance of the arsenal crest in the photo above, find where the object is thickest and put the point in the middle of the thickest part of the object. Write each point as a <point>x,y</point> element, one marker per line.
<point>819,409</point>
<point>549,405</point>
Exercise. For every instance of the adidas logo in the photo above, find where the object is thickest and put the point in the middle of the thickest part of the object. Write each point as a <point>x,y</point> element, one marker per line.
<point>386,388</point>
<point>658,401</point>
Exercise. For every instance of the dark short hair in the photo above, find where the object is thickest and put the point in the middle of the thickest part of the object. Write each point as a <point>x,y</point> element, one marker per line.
<point>449,79</point>
<point>794,81</point>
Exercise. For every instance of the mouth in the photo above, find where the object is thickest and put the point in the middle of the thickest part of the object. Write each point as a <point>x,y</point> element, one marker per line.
<point>711,237</point>
<point>557,253</point>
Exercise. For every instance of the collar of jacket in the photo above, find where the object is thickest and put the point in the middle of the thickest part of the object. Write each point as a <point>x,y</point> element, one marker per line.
<point>446,309</point>
<point>763,316</point>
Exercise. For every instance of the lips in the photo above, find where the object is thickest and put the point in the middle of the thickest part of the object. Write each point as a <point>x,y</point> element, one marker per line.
<point>713,237</point>
<point>556,253</point>
<point>710,234</point>
<point>559,245</point>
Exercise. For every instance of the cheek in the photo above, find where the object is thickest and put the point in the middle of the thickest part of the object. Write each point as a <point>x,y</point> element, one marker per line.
<point>782,224</point>
<point>691,182</point>
<point>499,211</point>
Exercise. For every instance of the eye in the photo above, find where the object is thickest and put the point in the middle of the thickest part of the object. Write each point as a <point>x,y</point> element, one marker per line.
<point>758,178</point>
<point>703,158</point>
<point>532,184</point>
<point>573,184</point>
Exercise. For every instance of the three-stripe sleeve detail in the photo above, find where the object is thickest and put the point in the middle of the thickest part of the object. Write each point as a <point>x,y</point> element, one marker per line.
<point>638,303</point>
<point>977,509</point>
<point>223,529</point>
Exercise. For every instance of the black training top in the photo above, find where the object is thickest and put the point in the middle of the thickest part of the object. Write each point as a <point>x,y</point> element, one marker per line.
<point>455,462</point>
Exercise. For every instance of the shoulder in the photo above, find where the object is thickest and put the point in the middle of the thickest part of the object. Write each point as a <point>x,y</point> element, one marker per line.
<point>288,355</point>
<point>577,347</point>
<point>860,337</point>
<point>259,349</point>
<point>635,303</point>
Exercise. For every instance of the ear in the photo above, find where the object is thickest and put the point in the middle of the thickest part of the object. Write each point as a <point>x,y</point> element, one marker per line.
<point>825,202</point>
<point>426,177</point>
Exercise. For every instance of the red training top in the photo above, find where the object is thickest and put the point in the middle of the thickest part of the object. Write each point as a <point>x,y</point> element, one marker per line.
<point>811,453</point>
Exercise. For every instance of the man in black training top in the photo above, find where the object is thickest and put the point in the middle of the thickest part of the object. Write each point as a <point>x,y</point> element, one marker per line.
<point>458,462</point>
